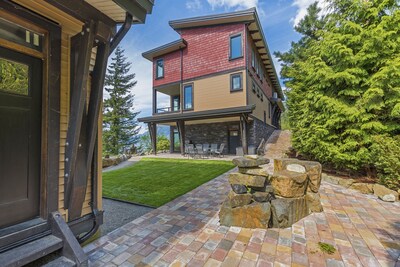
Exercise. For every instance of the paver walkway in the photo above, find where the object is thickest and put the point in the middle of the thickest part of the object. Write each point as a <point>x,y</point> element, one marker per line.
<point>364,230</point>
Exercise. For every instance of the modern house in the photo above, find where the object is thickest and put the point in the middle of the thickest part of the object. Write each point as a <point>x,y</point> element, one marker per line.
<point>53,58</point>
<point>221,82</point>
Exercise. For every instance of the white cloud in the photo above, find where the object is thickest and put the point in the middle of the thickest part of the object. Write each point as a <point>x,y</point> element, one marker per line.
<point>233,3</point>
<point>302,6</point>
<point>194,5</point>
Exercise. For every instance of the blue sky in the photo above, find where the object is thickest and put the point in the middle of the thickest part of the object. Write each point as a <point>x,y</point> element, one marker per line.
<point>277,18</point>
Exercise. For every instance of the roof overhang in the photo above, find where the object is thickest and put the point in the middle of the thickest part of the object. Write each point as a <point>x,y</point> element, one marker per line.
<point>279,102</point>
<point>164,49</point>
<point>248,16</point>
<point>199,115</point>
<point>233,17</point>
<point>109,12</point>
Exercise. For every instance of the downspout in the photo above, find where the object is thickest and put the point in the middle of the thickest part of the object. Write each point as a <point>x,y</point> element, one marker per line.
<point>96,213</point>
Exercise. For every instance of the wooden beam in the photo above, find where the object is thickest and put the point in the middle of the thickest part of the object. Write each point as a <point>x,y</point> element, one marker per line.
<point>181,130</point>
<point>77,107</point>
<point>89,133</point>
<point>243,132</point>
<point>253,32</point>
<point>153,136</point>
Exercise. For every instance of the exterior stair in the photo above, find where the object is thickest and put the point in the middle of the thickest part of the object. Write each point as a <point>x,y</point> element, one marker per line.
<point>61,240</point>
<point>31,251</point>
<point>277,144</point>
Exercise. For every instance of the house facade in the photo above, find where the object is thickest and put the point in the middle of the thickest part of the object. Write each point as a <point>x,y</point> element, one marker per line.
<point>53,59</point>
<point>221,82</point>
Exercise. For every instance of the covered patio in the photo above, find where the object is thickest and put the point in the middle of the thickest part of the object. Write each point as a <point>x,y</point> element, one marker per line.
<point>181,120</point>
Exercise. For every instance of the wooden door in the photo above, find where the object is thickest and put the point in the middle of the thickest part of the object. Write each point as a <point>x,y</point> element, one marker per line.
<point>234,141</point>
<point>20,136</point>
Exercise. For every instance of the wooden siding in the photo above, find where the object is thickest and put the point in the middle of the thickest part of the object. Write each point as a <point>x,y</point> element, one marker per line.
<point>214,93</point>
<point>261,106</point>
<point>70,26</point>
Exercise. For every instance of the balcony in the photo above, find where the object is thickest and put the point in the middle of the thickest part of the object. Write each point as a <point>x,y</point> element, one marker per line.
<point>167,99</point>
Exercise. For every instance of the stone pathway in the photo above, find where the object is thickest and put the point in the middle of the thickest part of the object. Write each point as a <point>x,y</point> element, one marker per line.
<point>364,230</point>
<point>123,164</point>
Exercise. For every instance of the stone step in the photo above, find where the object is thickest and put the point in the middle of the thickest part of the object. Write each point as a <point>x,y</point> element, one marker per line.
<point>31,251</point>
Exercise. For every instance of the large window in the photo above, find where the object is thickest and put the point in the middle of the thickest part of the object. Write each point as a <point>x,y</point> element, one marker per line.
<point>253,58</point>
<point>176,103</point>
<point>188,96</point>
<point>235,46</point>
<point>159,68</point>
<point>236,82</point>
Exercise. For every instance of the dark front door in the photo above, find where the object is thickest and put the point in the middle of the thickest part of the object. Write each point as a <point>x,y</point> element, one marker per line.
<point>20,136</point>
<point>234,141</point>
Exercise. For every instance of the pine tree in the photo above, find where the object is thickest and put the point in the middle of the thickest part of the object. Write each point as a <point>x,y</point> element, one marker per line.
<point>343,78</point>
<point>120,127</point>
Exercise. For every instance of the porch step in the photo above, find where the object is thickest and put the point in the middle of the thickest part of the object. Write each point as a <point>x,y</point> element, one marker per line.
<point>31,251</point>
<point>60,262</point>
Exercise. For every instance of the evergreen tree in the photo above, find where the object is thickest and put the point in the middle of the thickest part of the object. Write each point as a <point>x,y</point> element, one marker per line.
<point>343,77</point>
<point>120,127</point>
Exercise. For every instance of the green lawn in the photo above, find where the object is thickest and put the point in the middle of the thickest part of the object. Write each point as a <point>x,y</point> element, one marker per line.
<point>154,181</point>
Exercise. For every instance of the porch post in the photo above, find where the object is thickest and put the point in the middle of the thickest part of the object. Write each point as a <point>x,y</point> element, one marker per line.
<point>243,129</point>
<point>153,136</point>
<point>154,101</point>
<point>181,129</point>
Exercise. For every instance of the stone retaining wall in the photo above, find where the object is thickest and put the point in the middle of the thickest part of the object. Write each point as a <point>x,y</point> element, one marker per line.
<point>259,130</point>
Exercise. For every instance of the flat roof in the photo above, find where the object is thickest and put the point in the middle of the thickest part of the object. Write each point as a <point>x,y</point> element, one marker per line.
<point>199,115</point>
<point>164,49</point>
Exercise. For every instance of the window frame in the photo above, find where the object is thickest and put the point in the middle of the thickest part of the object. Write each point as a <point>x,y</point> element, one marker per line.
<point>184,99</point>
<point>240,74</point>
<point>163,68</point>
<point>253,58</point>
<point>241,45</point>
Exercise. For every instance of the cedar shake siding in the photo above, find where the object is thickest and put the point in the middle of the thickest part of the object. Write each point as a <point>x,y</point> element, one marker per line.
<point>172,69</point>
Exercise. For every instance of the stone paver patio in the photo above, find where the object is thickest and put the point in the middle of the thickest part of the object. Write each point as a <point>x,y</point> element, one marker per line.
<point>364,230</point>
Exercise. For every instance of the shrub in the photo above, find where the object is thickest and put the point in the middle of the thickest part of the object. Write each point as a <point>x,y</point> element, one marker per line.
<point>162,143</point>
<point>386,153</point>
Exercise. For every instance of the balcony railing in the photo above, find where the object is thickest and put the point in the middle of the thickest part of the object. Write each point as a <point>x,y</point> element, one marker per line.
<point>166,110</point>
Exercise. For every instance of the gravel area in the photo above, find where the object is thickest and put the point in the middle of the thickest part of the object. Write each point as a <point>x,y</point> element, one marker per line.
<point>117,214</point>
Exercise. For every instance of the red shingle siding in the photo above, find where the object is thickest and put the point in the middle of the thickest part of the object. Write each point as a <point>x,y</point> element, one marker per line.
<point>207,51</point>
<point>172,69</point>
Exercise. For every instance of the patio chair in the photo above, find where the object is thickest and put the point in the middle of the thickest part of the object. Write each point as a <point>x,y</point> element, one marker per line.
<point>220,151</point>
<point>190,151</point>
<point>199,150</point>
<point>214,147</point>
<point>206,149</point>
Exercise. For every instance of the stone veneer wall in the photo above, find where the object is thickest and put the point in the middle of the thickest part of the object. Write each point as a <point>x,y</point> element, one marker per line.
<point>211,133</point>
<point>259,130</point>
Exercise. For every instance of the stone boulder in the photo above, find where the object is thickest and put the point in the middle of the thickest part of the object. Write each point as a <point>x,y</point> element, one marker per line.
<point>384,193</point>
<point>287,211</point>
<point>289,184</point>
<point>239,188</point>
<point>239,200</point>
<point>313,202</point>
<point>246,179</point>
<point>363,187</point>
<point>312,168</point>
<point>250,161</point>
<point>107,162</point>
<point>255,215</point>
<point>263,196</point>
<point>254,171</point>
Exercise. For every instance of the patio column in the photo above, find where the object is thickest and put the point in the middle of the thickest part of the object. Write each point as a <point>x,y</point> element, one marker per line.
<point>181,130</point>
<point>153,136</point>
<point>243,132</point>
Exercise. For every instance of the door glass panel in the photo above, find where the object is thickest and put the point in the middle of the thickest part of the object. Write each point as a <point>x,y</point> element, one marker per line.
<point>17,34</point>
<point>176,104</point>
<point>14,77</point>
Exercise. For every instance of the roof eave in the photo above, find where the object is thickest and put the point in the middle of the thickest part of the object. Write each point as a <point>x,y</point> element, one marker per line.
<point>164,49</point>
